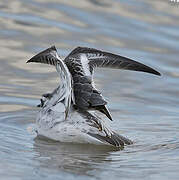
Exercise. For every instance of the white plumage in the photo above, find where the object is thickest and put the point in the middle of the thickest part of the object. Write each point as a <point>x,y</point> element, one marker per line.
<point>52,124</point>
<point>85,66</point>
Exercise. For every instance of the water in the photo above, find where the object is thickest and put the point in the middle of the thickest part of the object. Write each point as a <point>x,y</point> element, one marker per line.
<point>144,106</point>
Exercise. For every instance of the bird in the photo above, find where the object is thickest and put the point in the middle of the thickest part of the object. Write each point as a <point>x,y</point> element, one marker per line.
<point>71,113</point>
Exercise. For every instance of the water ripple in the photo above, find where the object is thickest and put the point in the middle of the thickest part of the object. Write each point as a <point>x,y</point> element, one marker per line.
<point>145,107</point>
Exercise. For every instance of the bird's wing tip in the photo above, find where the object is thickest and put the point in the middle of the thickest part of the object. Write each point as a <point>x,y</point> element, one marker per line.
<point>46,51</point>
<point>156,73</point>
<point>53,48</point>
<point>28,61</point>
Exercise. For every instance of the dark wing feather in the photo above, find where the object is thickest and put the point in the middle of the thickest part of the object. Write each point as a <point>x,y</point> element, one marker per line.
<point>86,96</point>
<point>113,140</point>
<point>48,56</point>
<point>102,132</point>
<point>99,58</point>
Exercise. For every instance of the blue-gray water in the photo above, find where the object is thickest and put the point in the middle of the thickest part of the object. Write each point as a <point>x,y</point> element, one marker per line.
<point>144,107</point>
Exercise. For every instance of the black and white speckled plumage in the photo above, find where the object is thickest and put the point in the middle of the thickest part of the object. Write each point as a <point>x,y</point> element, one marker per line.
<point>64,113</point>
<point>86,95</point>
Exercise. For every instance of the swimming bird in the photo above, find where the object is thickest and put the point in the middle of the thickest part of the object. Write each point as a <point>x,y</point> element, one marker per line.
<point>70,112</point>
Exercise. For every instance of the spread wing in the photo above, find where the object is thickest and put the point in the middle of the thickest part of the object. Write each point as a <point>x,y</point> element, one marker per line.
<point>81,63</point>
<point>99,58</point>
<point>48,56</point>
<point>64,92</point>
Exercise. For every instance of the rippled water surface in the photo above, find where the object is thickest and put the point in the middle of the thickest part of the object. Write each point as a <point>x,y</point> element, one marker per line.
<point>144,106</point>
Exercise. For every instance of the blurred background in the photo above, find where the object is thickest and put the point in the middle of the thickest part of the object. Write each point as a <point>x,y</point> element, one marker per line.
<point>144,107</point>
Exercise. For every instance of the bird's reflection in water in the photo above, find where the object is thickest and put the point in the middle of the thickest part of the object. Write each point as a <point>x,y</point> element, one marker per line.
<point>74,158</point>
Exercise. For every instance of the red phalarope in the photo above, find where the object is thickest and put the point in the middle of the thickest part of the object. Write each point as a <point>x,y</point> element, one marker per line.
<point>67,114</point>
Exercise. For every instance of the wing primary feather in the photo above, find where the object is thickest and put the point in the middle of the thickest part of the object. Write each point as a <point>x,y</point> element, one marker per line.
<point>48,56</point>
<point>103,109</point>
<point>98,58</point>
